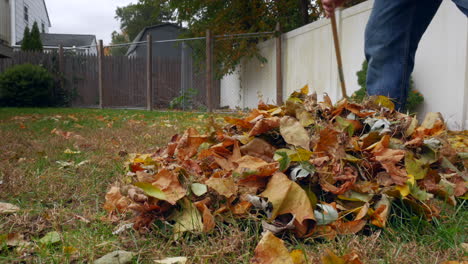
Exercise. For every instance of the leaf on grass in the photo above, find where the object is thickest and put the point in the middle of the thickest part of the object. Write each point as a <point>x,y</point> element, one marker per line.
<point>382,210</point>
<point>188,219</point>
<point>116,257</point>
<point>331,258</point>
<point>50,238</point>
<point>115,201</point>
<point>8,208</point>
<point>294,133</point>
<point>174,260</point>
<point>271,250</point>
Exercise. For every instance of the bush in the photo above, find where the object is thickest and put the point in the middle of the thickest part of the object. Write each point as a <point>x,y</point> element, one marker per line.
<point>414,99</point>
<point>27,85</point>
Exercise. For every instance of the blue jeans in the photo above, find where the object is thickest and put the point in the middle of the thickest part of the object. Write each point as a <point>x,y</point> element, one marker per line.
<point>392,36</point>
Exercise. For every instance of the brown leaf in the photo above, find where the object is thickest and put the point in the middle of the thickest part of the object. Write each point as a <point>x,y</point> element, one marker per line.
<point>208,219</point>
<point>389,158</point>
<point>265,125</point>
<point>350,227</point>
<point>189,143</point>
<point>115,201</point>
<point>294,133</point>
<point>168,182</point>
<point>240,123</point>
<point>224,186</point>
<point>287,197</point>
<point>248,165</point>
<point>329,144</point>
<point>259,148</point>
<point>271,250</point>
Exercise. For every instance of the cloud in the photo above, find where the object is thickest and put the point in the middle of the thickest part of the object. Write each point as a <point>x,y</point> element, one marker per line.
<point>96,17</point>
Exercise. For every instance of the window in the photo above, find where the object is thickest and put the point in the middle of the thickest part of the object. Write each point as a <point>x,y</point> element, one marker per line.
<point>43,27</point>
<point>26,14</point>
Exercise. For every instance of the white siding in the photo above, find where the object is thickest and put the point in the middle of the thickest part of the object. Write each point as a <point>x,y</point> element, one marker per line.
<point>441,70</point>
<point>37,12</point>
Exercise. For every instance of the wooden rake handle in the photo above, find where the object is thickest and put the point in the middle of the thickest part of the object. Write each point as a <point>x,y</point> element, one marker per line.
<point>338,55</point>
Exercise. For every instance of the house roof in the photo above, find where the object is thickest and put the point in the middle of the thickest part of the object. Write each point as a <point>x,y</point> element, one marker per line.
<point>67,40</point>
<point>140,35</point>
<point>47,12</point>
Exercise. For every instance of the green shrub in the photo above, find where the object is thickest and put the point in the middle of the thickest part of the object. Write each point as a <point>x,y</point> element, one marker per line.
<point>186,100</point>
<point>414,99</point>
<point>27,85</point>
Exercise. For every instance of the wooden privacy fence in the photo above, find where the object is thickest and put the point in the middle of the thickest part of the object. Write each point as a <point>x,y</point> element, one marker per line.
<point>121,81</point>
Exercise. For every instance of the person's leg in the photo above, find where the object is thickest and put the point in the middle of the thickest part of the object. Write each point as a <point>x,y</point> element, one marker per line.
<point>391,39</point>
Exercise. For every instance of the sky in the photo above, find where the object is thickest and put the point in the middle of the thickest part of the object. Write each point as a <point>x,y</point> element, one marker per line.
<point>95,17</point>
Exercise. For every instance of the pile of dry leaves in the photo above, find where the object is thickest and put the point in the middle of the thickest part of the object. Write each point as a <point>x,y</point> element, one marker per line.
<point>311,168</point>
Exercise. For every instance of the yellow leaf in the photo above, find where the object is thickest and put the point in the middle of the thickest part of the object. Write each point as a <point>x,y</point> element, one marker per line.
<point>305,90</point>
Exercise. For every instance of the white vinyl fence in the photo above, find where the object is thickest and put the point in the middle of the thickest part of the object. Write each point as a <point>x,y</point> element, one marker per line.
<point>441,71</point>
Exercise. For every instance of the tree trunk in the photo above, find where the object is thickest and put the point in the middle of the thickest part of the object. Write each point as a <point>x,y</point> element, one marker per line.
<point>304,9</point>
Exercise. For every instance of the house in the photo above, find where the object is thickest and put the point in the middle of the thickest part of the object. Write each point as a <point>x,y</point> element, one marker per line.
<point>5,29</point>
<point>165,31</point>
<point>23,13</point>
<point>84,44</point>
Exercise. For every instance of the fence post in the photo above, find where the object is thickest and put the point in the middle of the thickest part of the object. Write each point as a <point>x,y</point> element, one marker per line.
<point>149,73</point>
<point>209,70</point>
<point>279,65</point>
<point>61,69</point>
<point>101,74</point>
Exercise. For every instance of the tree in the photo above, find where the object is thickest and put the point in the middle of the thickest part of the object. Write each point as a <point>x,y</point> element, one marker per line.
<point>119,38</point>
<point>135,17</point>
<point>236,17</point>
<point>26,43</point>
<point>36,42</point>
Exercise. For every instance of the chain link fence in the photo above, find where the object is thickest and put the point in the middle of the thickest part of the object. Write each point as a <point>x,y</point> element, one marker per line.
<point>176,76</point>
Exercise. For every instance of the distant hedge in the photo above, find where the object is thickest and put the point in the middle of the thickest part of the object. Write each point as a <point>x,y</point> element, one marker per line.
<point>28,85</point>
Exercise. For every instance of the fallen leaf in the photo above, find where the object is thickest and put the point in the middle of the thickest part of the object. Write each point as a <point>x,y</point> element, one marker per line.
<point>208,218</point>
<point>151,190</point>
<point>174,260</point>
<point>188,219</point>
<point>199,189</point>
<point>8,208</point>
<point>224,186</point>
<point>265,125</point>
<point>50,238</point>
<point>294,133</point>
<point>271,250</point>
<point>287,197</point>
<point>116,257</point>
<point>325,214</point>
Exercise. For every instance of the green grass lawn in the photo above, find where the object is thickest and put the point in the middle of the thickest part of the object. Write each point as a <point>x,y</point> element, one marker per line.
<point>33,149</point>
